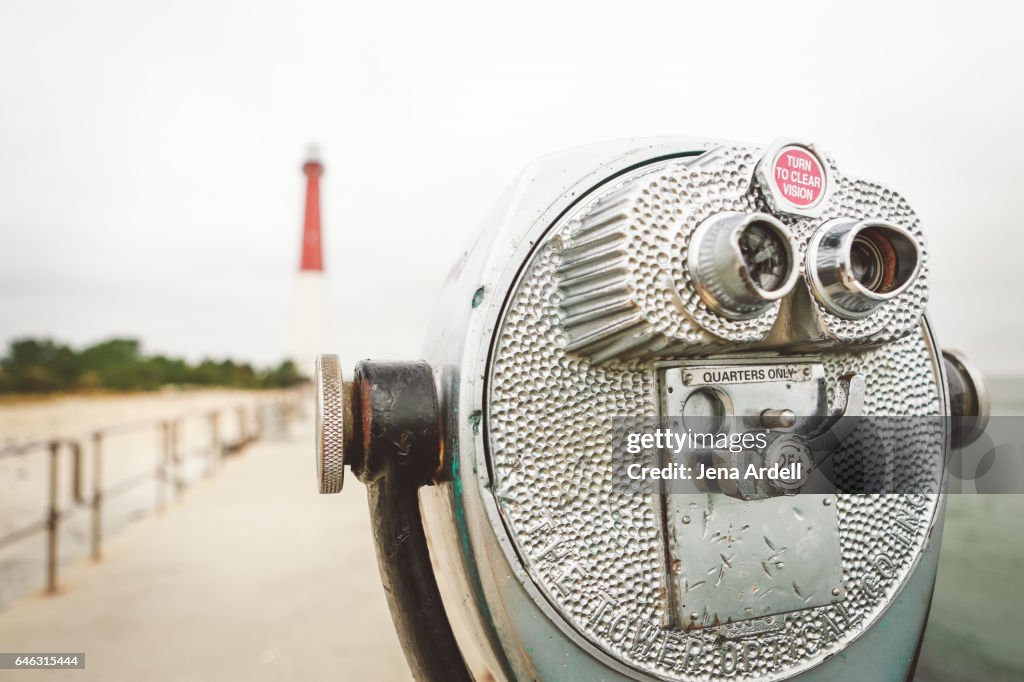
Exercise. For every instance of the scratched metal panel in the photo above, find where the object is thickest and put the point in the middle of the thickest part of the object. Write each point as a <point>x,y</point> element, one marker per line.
<point>742,560</point>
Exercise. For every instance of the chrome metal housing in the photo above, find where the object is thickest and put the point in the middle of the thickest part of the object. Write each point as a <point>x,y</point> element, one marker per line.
<point>502,592</point>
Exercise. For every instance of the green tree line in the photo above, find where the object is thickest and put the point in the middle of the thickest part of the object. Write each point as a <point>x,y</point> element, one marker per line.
<point>45,366</point>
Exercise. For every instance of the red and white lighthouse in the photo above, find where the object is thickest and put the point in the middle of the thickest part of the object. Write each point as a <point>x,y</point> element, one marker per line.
<point>309,326</point>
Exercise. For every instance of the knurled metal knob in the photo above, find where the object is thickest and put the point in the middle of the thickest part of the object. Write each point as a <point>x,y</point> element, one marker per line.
<point>331,421</point>
<point>969,400</point>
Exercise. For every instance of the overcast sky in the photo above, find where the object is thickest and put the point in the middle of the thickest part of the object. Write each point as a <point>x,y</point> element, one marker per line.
<point>150,152</point>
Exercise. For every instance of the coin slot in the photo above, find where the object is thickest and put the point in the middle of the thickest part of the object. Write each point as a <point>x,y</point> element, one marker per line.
<point>706,410</point>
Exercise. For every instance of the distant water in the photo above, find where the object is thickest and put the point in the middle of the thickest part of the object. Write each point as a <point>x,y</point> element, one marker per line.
<point>976,628</point>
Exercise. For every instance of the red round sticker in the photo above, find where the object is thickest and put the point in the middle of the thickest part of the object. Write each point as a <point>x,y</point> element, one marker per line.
<point>798,176</point>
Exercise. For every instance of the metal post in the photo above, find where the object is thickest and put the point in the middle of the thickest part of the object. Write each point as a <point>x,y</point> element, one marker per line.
<point>287,412</point>
<point>216,451</point>
<point>259,418</point>
<point>53,520</point>
<point>76,473</point>
<point>179,460</point>
<point>161,471</point>
<point>97,495</point>
<point>242,436</point>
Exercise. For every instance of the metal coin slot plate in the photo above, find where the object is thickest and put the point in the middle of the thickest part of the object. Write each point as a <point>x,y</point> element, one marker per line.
<point>729,559</point>
<point>748,387</point>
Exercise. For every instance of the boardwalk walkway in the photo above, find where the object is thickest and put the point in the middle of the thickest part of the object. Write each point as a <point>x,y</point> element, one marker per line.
<point>253,577</point>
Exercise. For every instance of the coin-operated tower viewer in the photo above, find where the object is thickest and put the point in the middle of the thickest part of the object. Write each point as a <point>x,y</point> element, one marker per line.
<point>769,288</point>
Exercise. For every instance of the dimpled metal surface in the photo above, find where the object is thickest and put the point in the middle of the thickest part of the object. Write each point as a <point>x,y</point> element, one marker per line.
<point>626,290</point>
<point>597,555</point>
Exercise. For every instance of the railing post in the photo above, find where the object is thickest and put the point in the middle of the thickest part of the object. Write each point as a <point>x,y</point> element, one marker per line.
<point>164,455</point>
<point>76,473</point>
<point>287,411</point>
<point>216,451</point>
<point>259,416</point>
<point>242,435</point>
<point>53,519</point>
<point>97,496</point>
<point>179,460</point>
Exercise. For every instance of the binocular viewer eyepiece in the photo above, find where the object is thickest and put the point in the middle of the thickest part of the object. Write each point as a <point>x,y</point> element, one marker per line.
<point>855,266</point>
<point>742,263</point>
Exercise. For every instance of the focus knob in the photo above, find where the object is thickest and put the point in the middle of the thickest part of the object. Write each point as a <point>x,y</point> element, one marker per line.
<point>331,424</point>
<point>969,400</point>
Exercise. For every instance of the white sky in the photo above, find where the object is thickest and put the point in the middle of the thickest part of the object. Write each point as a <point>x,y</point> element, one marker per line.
<point>150,152</point>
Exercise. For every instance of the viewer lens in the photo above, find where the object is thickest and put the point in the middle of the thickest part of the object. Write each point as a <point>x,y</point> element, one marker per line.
<point>765,255</point>
<point>875,262</point>
<point>866,263</point>
<point>855,266</point>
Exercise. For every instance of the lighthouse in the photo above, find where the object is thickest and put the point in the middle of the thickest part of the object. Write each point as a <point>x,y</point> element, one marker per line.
<point>309,326</point>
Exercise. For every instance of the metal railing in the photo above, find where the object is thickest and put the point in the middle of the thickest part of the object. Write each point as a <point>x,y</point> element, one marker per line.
<point>169,474</point>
